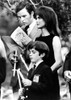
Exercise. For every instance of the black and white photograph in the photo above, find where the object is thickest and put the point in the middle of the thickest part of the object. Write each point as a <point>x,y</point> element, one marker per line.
<point>35,49</point>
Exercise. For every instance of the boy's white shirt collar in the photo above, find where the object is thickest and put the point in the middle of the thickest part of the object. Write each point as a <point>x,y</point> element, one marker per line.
<point>32,64</point>
<point>38,63</point>
<point>31,26</point>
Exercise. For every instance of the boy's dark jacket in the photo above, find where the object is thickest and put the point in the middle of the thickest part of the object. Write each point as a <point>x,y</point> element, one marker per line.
<point>43,86</point>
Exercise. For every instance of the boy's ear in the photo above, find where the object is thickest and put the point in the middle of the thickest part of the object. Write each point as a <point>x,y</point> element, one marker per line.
<point>42,55</point>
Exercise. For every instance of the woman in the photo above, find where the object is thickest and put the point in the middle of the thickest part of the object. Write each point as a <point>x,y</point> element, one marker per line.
<point>48,23</point>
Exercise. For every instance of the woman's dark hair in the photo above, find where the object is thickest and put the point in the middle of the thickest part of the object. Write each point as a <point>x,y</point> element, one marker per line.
<point>50,18</point>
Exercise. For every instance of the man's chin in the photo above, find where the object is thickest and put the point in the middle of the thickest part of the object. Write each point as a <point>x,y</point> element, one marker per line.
<point>23,27</point>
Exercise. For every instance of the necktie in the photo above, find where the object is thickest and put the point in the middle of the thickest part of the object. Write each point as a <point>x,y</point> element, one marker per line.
<point>26,28</point>
<point>33,69</point>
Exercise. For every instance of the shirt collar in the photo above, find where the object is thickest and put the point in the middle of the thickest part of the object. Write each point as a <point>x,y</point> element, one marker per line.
<point>38,63</point>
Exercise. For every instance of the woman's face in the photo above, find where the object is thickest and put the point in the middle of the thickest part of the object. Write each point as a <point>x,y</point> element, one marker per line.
<point>40,22</point>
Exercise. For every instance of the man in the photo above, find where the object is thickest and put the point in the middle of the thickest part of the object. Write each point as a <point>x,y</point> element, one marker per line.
<point>25,14</point>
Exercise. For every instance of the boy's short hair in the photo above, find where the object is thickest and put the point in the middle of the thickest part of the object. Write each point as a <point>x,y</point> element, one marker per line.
<point>40,46</point>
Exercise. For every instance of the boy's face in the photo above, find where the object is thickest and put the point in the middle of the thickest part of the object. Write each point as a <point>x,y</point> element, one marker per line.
<point>34,55</point>
<point>24,17</point>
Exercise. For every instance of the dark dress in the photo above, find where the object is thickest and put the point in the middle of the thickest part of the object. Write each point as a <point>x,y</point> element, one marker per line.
<point>50,60</point>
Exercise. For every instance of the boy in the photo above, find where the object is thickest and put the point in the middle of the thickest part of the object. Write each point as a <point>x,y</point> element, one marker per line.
<point>39,85</point>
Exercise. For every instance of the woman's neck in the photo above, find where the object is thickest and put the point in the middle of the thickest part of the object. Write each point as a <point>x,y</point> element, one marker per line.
<point>45,32</point>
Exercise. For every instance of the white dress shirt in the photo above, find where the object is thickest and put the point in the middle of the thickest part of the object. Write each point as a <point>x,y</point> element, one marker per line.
<point>31,27</point>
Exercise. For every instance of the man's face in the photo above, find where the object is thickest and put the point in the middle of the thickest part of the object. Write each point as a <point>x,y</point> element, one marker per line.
<point>24,17</point>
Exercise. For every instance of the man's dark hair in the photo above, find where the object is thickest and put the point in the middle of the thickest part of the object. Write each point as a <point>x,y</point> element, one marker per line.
<point>29,7</point>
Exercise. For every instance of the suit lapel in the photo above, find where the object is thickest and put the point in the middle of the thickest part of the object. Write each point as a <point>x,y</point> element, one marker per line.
<point>36,71</point>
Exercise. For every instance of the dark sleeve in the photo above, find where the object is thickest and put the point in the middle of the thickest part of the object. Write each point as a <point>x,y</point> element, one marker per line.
<point>67,63</point>
<point>2,69</point>
<point>45,82</point>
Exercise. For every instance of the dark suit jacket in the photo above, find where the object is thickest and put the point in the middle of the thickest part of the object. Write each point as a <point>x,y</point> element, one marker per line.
<point>43,87</point>
<point>2,70</point>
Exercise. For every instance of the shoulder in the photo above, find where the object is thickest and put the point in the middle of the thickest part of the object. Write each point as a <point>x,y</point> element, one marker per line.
<point>56,40</point>
<point>45,67</point>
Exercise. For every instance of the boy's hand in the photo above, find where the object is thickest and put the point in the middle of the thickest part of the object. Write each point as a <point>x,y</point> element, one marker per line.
<point>67,75</point>
<point>27,82</point>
